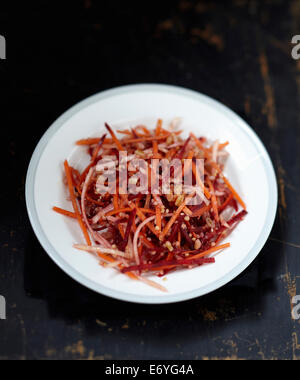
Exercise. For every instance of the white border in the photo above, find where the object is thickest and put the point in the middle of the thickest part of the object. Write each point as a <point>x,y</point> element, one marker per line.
<point>33,216</point>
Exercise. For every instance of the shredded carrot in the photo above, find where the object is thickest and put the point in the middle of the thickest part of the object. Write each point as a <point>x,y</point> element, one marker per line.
<point>147,243</point>
<point>114,137</point>
<point>210,251</point>
<point>220,238</point>
<point>143,218</point>
<point>65,212</point>
<point>75,205</point>
<point>226,203</point>
<point>222,146</point>
<point>121,230</point>
<point>199,181</point>
<point>202,211</point>
<point>158,218</point>
<point>146,130</point>
<point>171,153</point>
<point>213,200</point>
<point>128,209</point>
<point>159,127</point>
<point>147,211</point>
<point>97,150</point>
<point>188,162</point>
<point>187,211</point>
<point>125,132</point>
<point>179,238</point>
<point>155,144</point>
<point>175,217</point>
<point>145,139</point>
<point>231,188</point>
<point>116,202</point>
<point>90,141</point>
<point>148,198</point>
<point>200,146</point>
<point>118,211</point>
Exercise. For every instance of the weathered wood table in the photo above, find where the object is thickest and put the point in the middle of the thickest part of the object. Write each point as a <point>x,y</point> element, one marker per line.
<point>238,52</point>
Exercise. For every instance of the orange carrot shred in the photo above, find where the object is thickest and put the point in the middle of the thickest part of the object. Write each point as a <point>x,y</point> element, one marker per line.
<point>214,200</point>
<point>125,132</point>
<point>158,218</point>
<point>199,181</point>
<point>208,252</point>
<point>202,211</point>
<point>231,188</point>
<point>159,127</point>
<point>75,205</point>
<point>91,141</point>
<point>116,202</point>
<point>146,139</point>
<point>64,212</point>
<point>114,137</point>
<point>143,218</point>
<point>200,146</point>
<point>175,217</point>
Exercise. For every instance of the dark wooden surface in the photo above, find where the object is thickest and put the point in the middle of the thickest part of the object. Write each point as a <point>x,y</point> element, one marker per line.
<point>238,52</point>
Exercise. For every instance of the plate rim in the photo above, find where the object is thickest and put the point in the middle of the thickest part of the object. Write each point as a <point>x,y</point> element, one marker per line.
<point>123,296</point>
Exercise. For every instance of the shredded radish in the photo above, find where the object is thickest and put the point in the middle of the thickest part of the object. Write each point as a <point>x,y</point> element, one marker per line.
<point>113,252</point>
<point>102,213</point>
<point>174,125</point>
<point>215,151</point>
<point>152,284</point>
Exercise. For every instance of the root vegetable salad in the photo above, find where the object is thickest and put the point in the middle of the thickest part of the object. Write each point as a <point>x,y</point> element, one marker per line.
<point>154,233</point>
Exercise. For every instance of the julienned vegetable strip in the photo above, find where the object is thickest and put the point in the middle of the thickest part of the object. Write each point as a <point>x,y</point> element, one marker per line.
<point>65,212</point>
<point>97,149</point>
<point>143,218</point>
<point>154,232</point>
<point>206,152</point>
<point>234,192</point>
<point>158,218</point>
<point>214,200</point>
<point>175,216</point>
<point>199,182</point>
<point>210,251</point>
<point>74,203</point>
<point>91,141</point>
<point>116,141</point>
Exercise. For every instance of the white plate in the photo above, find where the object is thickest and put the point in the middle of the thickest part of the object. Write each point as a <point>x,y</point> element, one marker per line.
<point>249,168</point>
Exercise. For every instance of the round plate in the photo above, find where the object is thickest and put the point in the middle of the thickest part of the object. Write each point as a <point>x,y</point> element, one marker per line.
<point>249,168</point>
